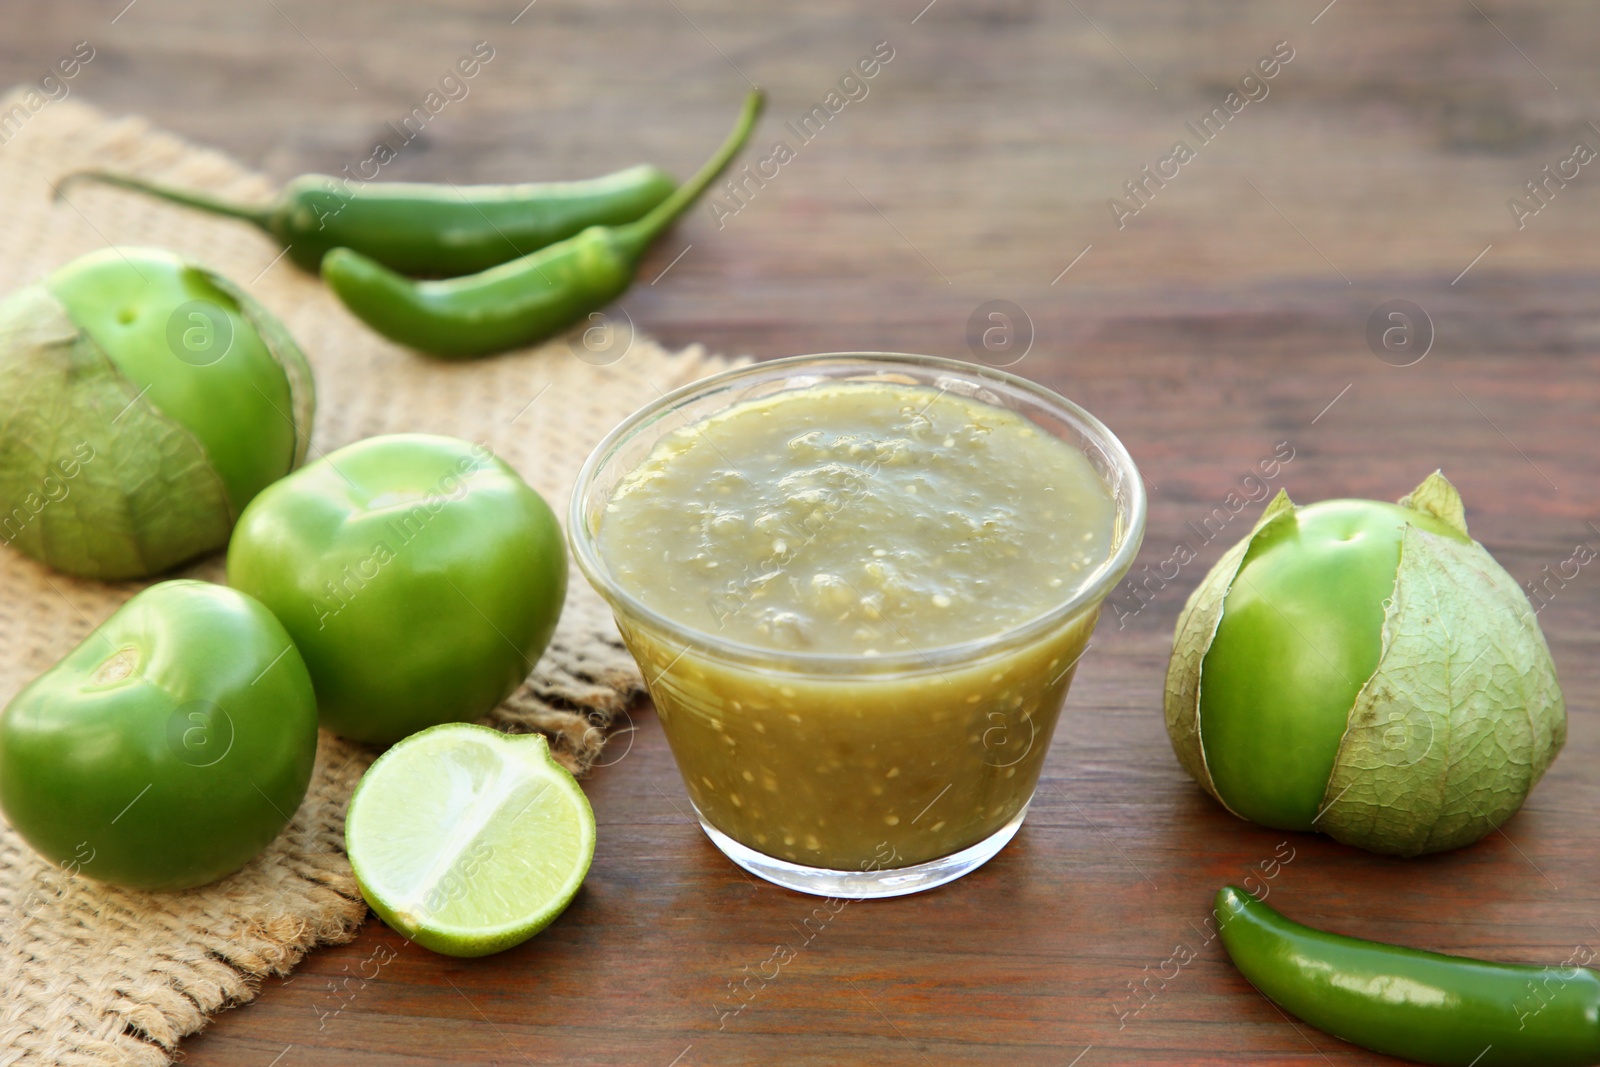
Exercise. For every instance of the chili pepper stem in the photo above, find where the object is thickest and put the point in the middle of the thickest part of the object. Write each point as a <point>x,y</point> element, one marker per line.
<point>259,216</point>
<point>634,237</point>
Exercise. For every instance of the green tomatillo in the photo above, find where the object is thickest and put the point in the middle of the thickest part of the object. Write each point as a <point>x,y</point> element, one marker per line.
<point>169,747</point>
<point>1366,670</point>
<point>420,576</point>
<point>144,401</point>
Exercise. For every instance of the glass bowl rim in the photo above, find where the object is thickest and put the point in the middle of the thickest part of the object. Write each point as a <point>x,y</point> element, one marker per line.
<point>585,549</point>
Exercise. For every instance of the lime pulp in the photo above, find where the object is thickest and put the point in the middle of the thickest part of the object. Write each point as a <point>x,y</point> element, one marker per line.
<point>469,841</point>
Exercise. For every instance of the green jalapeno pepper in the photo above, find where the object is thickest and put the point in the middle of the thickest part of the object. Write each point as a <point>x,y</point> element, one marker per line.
<point>1422,1006</point>
<point>527,299</point>
<point>422,228</point>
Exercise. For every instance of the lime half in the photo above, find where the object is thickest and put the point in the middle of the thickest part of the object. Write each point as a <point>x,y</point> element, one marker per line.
<point>469,841</point>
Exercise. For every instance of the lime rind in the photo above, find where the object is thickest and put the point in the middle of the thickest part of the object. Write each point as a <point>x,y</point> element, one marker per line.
<point>468,841</point>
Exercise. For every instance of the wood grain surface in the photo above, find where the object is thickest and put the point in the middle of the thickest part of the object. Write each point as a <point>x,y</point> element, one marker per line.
<point>1228,317</point>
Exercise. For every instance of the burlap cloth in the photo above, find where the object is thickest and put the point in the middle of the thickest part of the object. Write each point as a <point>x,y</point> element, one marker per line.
<point>90,974</point>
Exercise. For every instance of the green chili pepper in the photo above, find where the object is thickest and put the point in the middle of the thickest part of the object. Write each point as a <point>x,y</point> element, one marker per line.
<point>420,228</point>
<point>1422,1006</point>
<point>527,299</point>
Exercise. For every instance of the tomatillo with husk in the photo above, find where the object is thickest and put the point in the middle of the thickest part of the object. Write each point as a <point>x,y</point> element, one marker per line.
<point>167,749</point>
<point>144,401</point>
<point>1366,670</point>
<point>419,575</point>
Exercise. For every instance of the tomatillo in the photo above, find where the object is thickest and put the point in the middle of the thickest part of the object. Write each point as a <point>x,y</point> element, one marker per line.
<point>144,401</point>
<point>169,747</point>
<point>420,576</point>
<point>1366,670</point>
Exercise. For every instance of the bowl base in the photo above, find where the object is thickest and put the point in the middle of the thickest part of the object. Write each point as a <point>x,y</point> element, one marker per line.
<point>870,884</point>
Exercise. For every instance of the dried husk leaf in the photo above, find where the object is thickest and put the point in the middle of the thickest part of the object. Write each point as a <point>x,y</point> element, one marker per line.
<point>145,499</point>
<point>1197,628</point>
<point>1437,497</point>
<point>1464,712</point>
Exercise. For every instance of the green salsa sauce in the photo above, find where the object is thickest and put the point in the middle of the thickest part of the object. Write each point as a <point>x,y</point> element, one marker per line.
<point>859,519</point>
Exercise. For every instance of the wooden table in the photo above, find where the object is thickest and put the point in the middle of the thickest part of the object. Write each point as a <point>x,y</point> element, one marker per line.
<point>1229,315</point>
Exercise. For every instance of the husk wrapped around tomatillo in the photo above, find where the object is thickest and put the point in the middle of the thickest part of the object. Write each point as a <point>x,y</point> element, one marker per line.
<point>144,400</point>
<point>1454,723</point>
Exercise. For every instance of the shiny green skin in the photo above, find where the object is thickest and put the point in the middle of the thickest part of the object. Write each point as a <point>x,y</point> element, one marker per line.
<point>420,577</point>
<point>1422,1006</point>
<point>425,229</point>
<point>507,306</point>
<point>525,300</point>
<point>169,747</point>
<point>237,403</point>
<point>1301,633</point>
